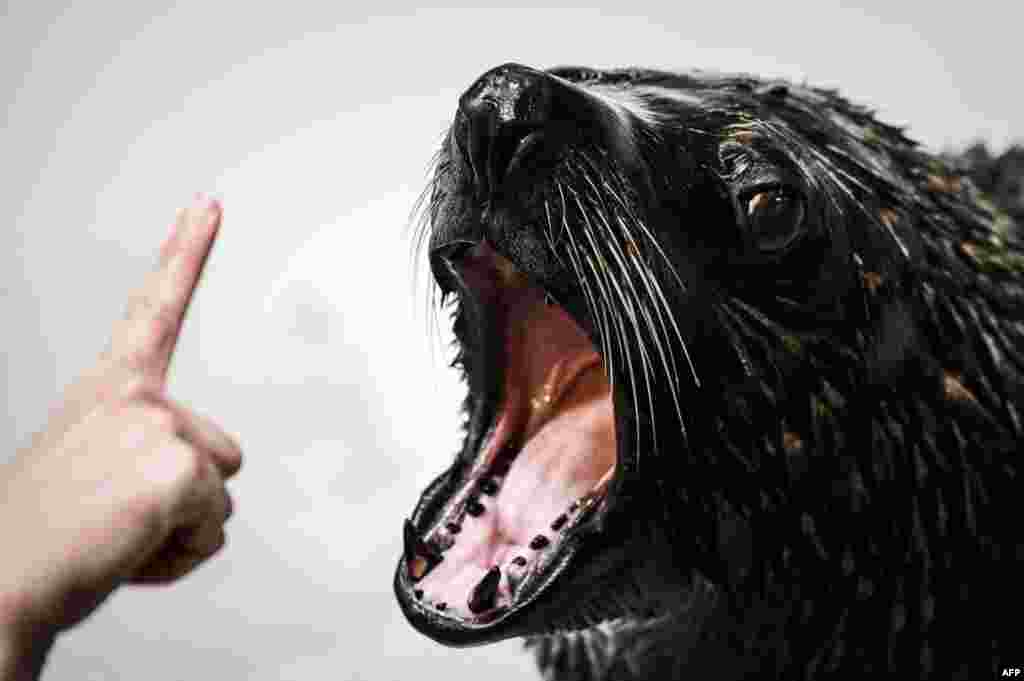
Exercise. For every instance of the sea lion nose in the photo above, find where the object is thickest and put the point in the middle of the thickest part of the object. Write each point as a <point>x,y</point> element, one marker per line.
<point>502,117</point>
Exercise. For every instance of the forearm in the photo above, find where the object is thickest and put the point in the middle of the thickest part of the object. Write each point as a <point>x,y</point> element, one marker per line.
<point>23,643</point>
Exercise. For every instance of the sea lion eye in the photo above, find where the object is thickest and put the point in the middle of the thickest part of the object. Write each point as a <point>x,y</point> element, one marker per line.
<point>774,217</point>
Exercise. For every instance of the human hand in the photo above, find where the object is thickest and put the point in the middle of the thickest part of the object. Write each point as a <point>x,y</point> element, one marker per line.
<point>123,484</point>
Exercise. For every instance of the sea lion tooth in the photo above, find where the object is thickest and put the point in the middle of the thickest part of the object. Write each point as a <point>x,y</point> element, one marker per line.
<point>519,561</point>
<point>421,557</point>
<point>415,545</point>
<point>539,542</point>
<point>955,390</point>
<point>514,579</point>
<point>419,567</point>
<point>484,593</point>
<point>596,494</point>
<point>602,484</point>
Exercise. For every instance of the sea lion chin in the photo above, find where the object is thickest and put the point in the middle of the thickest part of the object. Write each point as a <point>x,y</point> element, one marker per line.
<point>745,374</point>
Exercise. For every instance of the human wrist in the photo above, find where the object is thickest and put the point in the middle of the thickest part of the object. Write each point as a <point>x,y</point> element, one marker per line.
<point>22,659</point>
<point>23,647</point>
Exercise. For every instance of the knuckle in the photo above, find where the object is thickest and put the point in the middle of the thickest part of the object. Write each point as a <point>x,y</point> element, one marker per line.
<point>191,463</point>
<point>136,388</point>
<point>161,418</point>
<point>126,421</point>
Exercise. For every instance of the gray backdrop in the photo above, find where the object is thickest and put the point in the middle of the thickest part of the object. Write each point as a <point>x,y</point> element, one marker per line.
<point>315,122</point>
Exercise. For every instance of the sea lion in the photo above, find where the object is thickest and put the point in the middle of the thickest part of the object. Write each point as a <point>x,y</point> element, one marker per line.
<point>745,374</point>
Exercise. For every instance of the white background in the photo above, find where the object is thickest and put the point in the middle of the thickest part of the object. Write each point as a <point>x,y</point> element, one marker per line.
<point>315,123</point>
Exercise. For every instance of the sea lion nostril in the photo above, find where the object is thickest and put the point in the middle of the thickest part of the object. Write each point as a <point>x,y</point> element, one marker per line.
<point>509,93</point>
<point>498,114</point>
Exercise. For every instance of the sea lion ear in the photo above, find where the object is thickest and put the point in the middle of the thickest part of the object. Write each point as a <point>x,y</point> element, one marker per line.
<point>776,90</point>
<point>576,74</point>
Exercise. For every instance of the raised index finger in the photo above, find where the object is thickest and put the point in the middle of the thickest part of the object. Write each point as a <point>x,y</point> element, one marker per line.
<point>145,338</point>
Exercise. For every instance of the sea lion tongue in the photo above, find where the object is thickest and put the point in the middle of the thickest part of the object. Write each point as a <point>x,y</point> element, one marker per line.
<point>558,405</point>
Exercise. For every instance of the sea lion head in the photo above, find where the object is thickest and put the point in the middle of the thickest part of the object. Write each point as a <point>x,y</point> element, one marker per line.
<point>728,345</point>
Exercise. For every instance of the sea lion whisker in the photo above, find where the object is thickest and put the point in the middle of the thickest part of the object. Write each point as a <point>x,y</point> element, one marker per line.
<point>755,315</point>
<point>674,376</point>
<point>606,275</point>
<point>646,232</point>
<point>655,286</point>
<point>743,333</point>
<point>650,286</point>
<point>420,219</point>
<point>597,311</point>
<point>611,317</point>
<point>548,233</point>
<point>640,267</point>
<point>643,271</point>
<point>604,314</point>
<point>667,360</point>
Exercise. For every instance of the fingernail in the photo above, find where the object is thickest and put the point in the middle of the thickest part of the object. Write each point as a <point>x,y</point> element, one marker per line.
<point>203,212</point>
<point>204,203</point>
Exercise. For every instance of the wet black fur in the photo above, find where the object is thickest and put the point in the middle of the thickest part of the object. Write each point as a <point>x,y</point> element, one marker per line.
<point>843,495</point>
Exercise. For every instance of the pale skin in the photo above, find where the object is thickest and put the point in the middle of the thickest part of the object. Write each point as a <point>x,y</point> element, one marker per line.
<point>124,484</point>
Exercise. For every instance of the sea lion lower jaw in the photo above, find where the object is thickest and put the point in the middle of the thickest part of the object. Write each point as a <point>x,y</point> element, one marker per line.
<point>745,375</point>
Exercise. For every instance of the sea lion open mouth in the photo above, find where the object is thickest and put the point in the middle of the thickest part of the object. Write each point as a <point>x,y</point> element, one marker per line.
<point>542,466</point>
<point>745,372</point>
